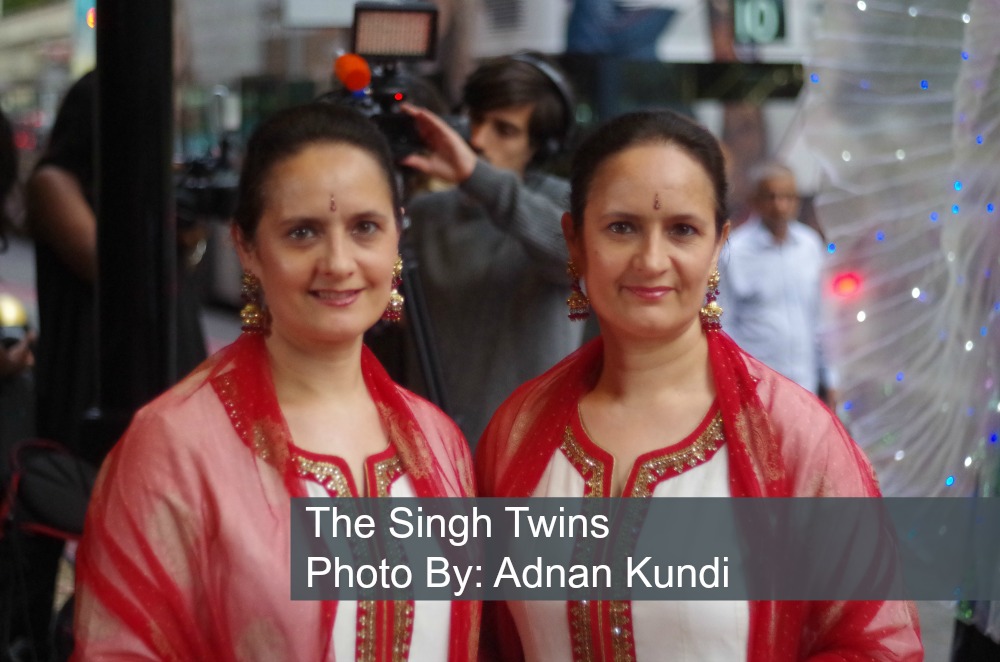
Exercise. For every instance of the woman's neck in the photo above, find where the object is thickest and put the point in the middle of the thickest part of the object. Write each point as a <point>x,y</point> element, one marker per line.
<point>302,374</point>
<point>641,370</point>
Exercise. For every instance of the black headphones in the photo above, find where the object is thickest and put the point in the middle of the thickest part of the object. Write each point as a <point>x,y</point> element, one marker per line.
<point>554,144</point>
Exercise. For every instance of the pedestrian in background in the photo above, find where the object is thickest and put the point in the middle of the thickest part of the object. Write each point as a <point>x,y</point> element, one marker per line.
<point>773,296</point>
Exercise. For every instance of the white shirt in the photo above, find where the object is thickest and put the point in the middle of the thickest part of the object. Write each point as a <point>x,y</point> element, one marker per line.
<point>675,630</point>
<point>770,297</point>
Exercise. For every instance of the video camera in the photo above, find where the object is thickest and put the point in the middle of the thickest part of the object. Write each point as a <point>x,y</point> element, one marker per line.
<point>384,36</point>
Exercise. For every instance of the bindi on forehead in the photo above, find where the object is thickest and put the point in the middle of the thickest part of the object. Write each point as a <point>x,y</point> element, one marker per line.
<point>333,203</point>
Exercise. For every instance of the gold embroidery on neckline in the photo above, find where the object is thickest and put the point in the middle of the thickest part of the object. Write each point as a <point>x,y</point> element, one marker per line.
<point>591,470</point>
<point>386,471</point>
<point>650,471</point>
<point>690,456</point>
<point>331,477</point>
<point>326,474</point>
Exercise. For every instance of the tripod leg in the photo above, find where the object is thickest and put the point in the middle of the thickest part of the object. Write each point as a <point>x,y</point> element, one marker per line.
<point>419,323</point>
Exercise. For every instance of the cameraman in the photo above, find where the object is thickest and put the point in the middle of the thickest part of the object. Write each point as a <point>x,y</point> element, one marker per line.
<point>492,260</point>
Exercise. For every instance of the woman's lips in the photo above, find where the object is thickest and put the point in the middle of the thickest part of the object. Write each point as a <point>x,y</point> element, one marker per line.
<point>648,293</point>
<point>336,298</point>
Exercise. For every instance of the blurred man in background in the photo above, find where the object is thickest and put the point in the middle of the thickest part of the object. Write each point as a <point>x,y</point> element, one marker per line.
<point>770,287</point>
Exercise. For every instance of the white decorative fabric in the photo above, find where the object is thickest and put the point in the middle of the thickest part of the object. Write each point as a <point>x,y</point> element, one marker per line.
<point>892,111</point>
<point>902,109</point>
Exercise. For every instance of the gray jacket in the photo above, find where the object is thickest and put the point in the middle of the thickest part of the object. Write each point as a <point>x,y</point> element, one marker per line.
<point>493,269</point>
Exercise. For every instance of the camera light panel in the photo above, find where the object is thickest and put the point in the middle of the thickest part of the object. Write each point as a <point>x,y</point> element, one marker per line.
<point>395,32</point>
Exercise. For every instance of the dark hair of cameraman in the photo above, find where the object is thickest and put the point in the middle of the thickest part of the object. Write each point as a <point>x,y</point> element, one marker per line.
<point>520,79</point>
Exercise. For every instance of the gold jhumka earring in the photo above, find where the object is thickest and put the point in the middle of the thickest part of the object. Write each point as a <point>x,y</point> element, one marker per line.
<point>579,304</point>
<point>254,317</point>
<point>394,310</point>
<point>711,311</point>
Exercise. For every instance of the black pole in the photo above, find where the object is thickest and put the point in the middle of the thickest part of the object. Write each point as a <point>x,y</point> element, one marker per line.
<point>136,236</point>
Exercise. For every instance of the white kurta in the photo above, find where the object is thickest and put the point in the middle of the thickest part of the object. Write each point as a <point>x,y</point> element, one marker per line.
<point>327,476</point>
<point>679,631</point>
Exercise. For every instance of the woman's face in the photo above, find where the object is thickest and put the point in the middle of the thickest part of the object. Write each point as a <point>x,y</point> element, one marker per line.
<point>325,246</point>
<point>648,241</point>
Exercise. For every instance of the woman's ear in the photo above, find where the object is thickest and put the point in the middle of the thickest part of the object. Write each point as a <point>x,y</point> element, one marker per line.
<point>724,235</point>
<point>574,239</point>
<point>723,238</point>
<point>244,249</point>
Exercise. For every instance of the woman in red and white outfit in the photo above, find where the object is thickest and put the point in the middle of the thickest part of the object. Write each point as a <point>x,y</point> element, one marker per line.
<point>186,550</point>
<point>664,404</point>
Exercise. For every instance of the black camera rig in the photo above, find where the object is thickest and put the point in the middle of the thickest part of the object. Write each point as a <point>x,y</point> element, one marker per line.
<point>384,36</point>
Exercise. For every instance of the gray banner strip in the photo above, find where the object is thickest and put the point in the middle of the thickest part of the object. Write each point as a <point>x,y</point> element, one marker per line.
<point>645,549</point>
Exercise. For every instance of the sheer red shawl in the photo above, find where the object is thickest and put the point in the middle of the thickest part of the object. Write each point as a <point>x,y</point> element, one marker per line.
<point>781,442</point>
<point>177,493</point>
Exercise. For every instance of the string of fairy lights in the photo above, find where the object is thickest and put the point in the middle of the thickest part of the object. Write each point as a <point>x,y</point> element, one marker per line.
<point>902,112</point>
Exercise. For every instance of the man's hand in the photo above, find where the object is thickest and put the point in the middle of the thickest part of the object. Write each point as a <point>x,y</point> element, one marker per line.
<point>448,156</point>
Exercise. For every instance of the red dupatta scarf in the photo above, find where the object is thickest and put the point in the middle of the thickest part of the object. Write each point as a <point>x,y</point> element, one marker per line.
<point>542,406</point>
<point>242,379</point>
<point>528,429</point>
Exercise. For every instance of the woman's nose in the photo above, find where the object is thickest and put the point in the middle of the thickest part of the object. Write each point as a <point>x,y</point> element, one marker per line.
<point>651,254</point>
<point>336,258</point>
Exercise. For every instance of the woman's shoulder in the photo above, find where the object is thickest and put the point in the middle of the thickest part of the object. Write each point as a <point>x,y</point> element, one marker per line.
<point>171,449</point>
<point>820,458</point>
<point>794,412</point>
<point>445,442</point>
<point>431,418</point>
<point>774,389</point>
<point>571,375</point>
<point>532,414</point>
<point>193,407</point>
<point>177,421</point>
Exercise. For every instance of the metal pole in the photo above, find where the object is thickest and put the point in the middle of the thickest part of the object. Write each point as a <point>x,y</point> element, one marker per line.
<point>136,235</point>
